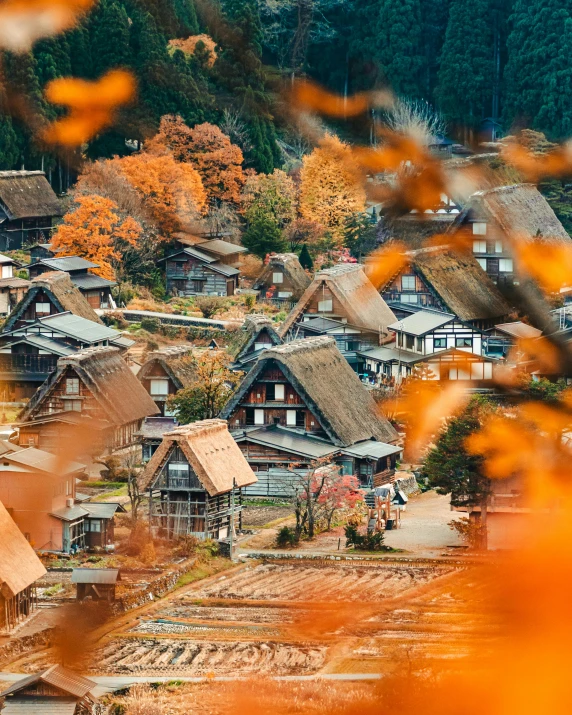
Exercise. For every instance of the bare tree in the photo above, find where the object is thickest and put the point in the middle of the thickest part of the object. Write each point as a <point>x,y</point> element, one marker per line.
<point>417,119</point>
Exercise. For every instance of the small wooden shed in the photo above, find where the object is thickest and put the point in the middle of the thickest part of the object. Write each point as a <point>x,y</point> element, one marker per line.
<point>97,584</point>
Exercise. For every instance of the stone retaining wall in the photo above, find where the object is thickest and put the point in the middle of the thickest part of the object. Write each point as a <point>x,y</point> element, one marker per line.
<point>155,589</point>
<point>16,646</point>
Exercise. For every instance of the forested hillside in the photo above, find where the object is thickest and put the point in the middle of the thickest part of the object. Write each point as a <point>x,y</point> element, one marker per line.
<point>469,59</point>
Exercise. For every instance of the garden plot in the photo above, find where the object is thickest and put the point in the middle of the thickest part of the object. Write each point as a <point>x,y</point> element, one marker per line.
<point>150,656</point>
<point>168,627</point>
<point>189,610</point>
<point>323,581</point>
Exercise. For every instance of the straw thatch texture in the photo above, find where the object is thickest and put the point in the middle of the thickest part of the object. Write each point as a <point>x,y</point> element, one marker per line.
<point>177,362</point>
<point>362,305</point>
<point>63,293</point>
<point>28,194</point>
<point>461,284</point>
<point>103,371</point>
<point>19,565</point>
<point>242,340</point>
<point>213,455</point>
<point>294,275</point>
<point>330,388</point>
<point>519,210</point>
<point>413,230</point>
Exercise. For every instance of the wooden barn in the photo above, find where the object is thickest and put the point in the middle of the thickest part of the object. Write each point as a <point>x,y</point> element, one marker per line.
<point>28,207</point>
<point>493,216</point>
<point>97,290</point>
<point>98,390</point>
<point>20,568</point>
<point>282,278</point>
<point>95,584</point>
<point>192,271</point>
<point>256,334</point>
<point>55,691</point>
<point>440,279</point>
<point>195,481</point>
<point>167,371</point>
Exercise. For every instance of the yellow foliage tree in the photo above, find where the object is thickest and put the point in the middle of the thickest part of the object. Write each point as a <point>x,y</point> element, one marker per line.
<point>331,186</point>
<point>94,230</point>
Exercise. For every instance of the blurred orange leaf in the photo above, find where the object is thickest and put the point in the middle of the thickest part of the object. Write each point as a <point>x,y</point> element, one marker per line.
<point>549,264</point>
<point>310,96</point>
<point>386,262</point>
<point>538,350</point>
<point>538,166</point>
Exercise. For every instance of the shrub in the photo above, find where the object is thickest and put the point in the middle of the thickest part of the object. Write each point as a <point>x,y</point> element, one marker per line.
<point>209,305</point>
<point>138,539</point>
<point>364,542</point>
<point>287,537</point>
<point>152,346</point>
<point>187,546</point>
<point>151,325</point>
<point>148,555</point>
<point>249,301</point>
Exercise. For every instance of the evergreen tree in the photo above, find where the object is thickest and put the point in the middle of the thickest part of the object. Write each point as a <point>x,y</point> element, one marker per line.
<point>109,30</point>
<point>9,149</point>
<point>305,258</point>
<point>263,236</point>
<point>360,235</point>
<point>466,75</point>
<point>538,77</point>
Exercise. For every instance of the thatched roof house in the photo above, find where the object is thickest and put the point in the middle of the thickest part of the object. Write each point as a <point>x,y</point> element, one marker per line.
<point>283,276</point>
<point>19,565</point>
<point>326,386</point>
<point>345,292</point>
<point>48,294</point>
<point>27,194</point>
<point>167,371</point>
<point>450,282</point>
<point>212,453</point>
<point>257,333</point>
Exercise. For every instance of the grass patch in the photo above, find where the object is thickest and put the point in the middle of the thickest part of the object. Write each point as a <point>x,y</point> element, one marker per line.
<point>265,502</point>
<point>53,590</point>
<point>203,570</point>
<point>121,492</point>
<point>102,485</point>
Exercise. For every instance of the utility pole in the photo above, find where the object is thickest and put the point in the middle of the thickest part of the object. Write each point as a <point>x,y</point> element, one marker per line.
<point>232,521</point>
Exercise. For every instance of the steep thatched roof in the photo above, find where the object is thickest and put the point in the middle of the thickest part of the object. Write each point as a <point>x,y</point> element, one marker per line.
<point>519,210</point>
<point>214,456</point>
<point>288,264</point>
<point>103,371</point>
<point>28,194</point>
<point>362,304</point>
<point>19,565</point>
<point>64,294</point>
<point>176,361</point>
<point>414,230</point>
<point>243,340</point>
<point>332,391</point>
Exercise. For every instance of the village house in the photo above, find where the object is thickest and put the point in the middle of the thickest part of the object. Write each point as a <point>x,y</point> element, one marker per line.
<point>151,434</point>
<point>440,279</point>
<point>12,290</point>
<point>165,372</point>
<point>343,294</point>
<point>285,412</point>
<point>191,271</point>
<point>256,334</point>
<point>500,340</point>
<point>30,353</point>
<point>96,290</point>
<point>28,207</point>
<point>282,278</point>
<point>195,481</point>
<point>55,691</point>
<point>49,294</point>
<point>20,568</point>
<point>94,390</point>
<point>225,252</point>
<point>492,217</point>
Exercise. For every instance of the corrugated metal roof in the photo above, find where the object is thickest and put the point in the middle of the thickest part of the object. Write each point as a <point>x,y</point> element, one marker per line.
<point>518,329</point>
<point>122,342</point>
<point>390,354</point>
<point>321,324</point>
<point>85,330</point>
<point>103,509</point>
<point>103,576</point>
<point>422,322</point>
<point>371,449</point>
<point>67,263</point>
<point>221,248</point>
<point>44,461</point>
<point>44,343</point>
<point>289,441</point>
<point>89,281</point>
<point>6,260</point>
<point>225,270</point>
<point>39,706</point>
<point>70,513</point>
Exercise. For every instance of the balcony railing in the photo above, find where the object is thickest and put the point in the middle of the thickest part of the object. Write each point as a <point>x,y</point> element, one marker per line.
<point>43,364</point>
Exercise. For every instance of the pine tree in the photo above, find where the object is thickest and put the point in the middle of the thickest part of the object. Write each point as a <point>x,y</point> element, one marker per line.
<point>9,149</point>
<point>466,75</point>
<point>263,236</point>
<point>538,76</point>
<point>109,29</point>
<point>305,258</point>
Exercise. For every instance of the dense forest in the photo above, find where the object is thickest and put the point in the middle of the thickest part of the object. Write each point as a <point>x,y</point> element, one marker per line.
<point>470,60</point>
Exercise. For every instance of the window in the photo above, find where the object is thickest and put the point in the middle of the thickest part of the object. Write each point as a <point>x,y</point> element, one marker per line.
<point>278,277</point>
<point>352,345</point>
<point>301,418</point>
<point>291,418</point>
<point>279,393</point>
<point>258,417</point>
<point>43,308</point>
<point>498,246</point>
<point>159,388</point>
<point>72,386</point>
<point>178,470</point>
<point>482,263</point>
<point>407,282</point>
<point>419,344</point>
<point>284,294</point>
<point>505,265</point>
<point>262,346</point>
<point>409,342</point>
<point>198,286</point>
<point>479,229</point>
<point>325,306</point>
<point>249,416</point>
<point>93,525</point>
<point>479,246</point>
<point>440,343</point>
<point>72,406</point>
<point>404,298</point>
<point>463,342</point>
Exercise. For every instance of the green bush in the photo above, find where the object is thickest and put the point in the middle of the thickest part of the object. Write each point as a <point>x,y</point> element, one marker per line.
<point>287,537</point>
<point>249,301</point>
<point>151,325</point>
<point>364,542</point>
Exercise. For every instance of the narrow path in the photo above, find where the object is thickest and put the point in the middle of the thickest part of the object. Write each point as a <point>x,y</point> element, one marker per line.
<point>171,318</point>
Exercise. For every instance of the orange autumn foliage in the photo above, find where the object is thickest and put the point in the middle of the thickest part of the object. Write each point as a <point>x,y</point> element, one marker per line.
<point>91,105</point>
<point>213,155</point>
<point>95,231</point>
<point>535,167</point>
<point>331,186</point>
<point>549,264</point>
<point>172,192</point>
<point>189,45</point>
<point>22,22</point>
